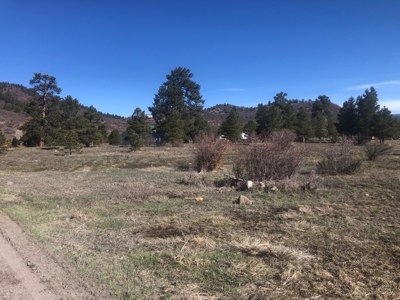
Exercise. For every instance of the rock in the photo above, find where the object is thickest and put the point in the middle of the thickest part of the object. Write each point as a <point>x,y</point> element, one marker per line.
<point>261,185</point>
<point>243,200</point>
<point>9,183</point>
<point>274,189</point>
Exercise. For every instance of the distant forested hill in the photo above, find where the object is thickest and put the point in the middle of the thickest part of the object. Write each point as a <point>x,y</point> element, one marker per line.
<point>215,115</point>
<point>14,97</point>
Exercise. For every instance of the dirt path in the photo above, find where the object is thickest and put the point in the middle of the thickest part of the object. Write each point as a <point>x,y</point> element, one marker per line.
<point>28,271</point>
<point>16,279</point>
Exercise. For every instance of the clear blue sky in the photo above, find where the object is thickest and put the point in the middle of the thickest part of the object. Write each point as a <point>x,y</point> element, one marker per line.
<point>114,55</point>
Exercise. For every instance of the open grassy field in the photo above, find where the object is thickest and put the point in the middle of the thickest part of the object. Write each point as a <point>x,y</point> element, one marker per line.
<point>128,222</point>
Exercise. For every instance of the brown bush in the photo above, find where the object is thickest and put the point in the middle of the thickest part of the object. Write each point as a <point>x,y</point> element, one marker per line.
<point>338,160</point>
<point>375,149</point>
<point>138,191</point>
<point>209,152</point>
<point>196,178</point>
<point>273,158</point>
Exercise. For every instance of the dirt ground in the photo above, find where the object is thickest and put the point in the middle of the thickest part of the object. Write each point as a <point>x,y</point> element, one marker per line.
<point>28,271</point>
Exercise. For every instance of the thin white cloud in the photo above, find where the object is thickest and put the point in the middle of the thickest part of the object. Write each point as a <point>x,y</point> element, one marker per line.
<point>392,104</point>
<point>375,85</point>
<point>231,90</point>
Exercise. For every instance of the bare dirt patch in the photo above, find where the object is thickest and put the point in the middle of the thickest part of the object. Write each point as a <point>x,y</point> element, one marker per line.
<point>27,271</point>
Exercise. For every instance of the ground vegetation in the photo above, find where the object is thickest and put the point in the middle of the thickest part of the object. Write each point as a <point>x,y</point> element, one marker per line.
<point>143,225</point>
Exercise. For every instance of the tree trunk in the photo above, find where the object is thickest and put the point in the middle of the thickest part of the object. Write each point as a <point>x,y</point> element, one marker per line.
<point>41,145</point>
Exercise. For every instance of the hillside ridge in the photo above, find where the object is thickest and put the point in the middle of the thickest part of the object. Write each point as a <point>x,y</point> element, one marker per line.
<point>13,97</point>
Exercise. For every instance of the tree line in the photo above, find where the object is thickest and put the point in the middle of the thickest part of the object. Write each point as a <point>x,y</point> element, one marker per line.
<point>361,118</point>
<point>59,121</point>
<point>177,112</point>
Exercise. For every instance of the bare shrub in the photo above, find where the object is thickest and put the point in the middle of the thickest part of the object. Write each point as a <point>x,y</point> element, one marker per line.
<point>209,152</point>
<point>309,184</point>
<point>339,160</point>
<point>375,149</point>
<point>198,179</point>
<point>273,158</point>
<point>138,191</point>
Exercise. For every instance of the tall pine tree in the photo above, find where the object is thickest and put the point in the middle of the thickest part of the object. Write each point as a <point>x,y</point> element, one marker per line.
<point>182,95</point>
<point>45,87</point>
<point>367,107</point>
<point>138,129</point>
<point>231,127</point>
<point>173,128</point>
<point>348,118</point>
<point>304,128</point>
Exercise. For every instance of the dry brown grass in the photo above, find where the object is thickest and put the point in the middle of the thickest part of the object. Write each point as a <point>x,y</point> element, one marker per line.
<point>137,230</point>
<point>257,247</point>
<point>196,178</point>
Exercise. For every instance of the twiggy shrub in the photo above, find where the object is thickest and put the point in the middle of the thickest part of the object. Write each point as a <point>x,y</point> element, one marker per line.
<point>273,158</point>
<point>375,149</point>
<point>209,152</point>
<point>138,191</point>
<point>338,159</point>
<point>198,179</point>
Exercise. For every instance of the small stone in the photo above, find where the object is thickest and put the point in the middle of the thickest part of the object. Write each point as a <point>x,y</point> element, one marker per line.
<point>367,195</point>
<point>274,189</point>
<point>243,200</point>
<point>261,185</point>
<point>9,183</point>
<point>249,184</point>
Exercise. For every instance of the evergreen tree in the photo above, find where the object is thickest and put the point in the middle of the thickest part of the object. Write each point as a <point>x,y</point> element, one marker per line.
<point>91,129</point>
<point>42,130</point>
<point>53,118</point>
<point>385,126</point>
<point>173,128</point>
<point>138,129</point>
<point>322,116</point>
<point>367,107</point>
<point>15,142</point>
<point>90,135</point>
<point>250,128</point>
<point>287,110</point>
<point>322,104</point>
<point>45,86</point>
<point>2,141</point>
<point>71,141</point>
<point>103,131</point>
<point>231,128</point>
<point>348,118</point>
<point>319,123</point>
<point>32,133</point>
<point>261,118</point>
<point>331,129</point>
<point>115,137</point>
<point>194,126</point>
<point>136,141</point>
<point>69,109</point>
<point>304,128</point>
<point>269,119</point>
<point>181,95</point>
